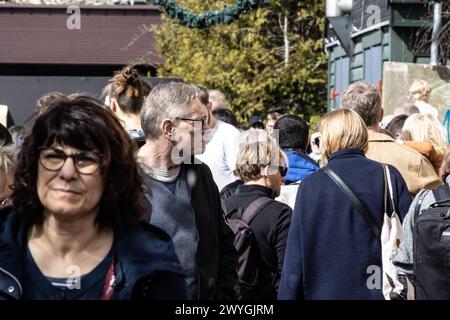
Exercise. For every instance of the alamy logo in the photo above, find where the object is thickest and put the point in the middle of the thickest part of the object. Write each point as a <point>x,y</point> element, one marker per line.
<point>74,20</point>
<point>374,280</point>
<point>374,17</point>
<point>74,280</point>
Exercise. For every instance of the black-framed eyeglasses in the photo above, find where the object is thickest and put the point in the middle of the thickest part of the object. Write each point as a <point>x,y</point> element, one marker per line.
<point>203,120</point>
<point>86,162</point>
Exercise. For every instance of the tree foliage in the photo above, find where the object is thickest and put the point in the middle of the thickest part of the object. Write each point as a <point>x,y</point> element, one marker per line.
<point>423,36</point>
<point>248,60</point>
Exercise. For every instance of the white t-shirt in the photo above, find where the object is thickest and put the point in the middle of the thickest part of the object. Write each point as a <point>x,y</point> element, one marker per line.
<point>288,194</point>
<point>426,108</point>
<point>222,146</point>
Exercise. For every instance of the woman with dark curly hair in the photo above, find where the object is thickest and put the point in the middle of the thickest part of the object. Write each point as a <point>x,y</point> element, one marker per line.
<point>76,228</point>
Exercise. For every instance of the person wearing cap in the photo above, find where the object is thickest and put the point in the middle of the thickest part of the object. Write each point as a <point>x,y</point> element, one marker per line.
<point>256,122</point>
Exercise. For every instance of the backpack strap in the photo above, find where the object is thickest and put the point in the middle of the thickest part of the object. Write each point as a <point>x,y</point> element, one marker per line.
<point>442,194</point>
<point>421,196</point>
<point>361,207</point>
<point>254,208</point>
<point>388,187</point>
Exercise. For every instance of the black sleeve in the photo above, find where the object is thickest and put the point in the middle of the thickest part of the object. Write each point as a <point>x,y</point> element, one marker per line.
<point>228,286</point>
<point>280,239</point>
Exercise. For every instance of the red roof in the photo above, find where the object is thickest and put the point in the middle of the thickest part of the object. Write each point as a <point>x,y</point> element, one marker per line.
<point>117,35</point>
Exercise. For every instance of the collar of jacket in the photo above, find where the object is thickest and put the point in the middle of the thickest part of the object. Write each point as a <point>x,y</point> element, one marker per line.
<point>300,165</point>
<point>139,252</point>
<point>256,189</point>
<point>350,152</point>
<point>378,136</point>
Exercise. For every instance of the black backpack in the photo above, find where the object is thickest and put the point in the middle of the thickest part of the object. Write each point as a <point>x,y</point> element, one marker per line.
<point>255,277</point>
<point>431,255</point>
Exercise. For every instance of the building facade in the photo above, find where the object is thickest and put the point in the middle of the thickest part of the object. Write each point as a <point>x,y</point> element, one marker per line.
<point>60,47</point>
<point>367,33</point>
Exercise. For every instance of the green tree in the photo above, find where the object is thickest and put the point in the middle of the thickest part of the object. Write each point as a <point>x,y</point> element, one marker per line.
<point>269,59</point>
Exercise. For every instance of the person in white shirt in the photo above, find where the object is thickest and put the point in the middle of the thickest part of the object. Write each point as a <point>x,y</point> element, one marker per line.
<point>221,147</point>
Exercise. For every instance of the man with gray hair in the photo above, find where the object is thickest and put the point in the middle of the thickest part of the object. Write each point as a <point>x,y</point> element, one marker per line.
<point>185,200</point>
<point>415,168</point>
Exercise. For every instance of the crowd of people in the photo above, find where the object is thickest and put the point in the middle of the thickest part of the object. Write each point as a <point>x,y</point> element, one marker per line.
<point>159,193</point>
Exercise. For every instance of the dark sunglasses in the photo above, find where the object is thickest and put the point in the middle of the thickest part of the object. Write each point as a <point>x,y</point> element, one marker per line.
<point>317,141</point>
<point>283,170</point>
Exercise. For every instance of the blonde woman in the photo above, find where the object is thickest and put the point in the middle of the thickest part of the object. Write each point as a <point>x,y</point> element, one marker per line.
<point>260,165</point>
<point>425,134</point>
<point>420,91</point>
<point>332,252</point>
<point>7,168</point>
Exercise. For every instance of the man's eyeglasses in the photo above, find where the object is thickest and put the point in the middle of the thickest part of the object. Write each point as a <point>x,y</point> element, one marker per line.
<point>86,162</point>
<point>203,120</point>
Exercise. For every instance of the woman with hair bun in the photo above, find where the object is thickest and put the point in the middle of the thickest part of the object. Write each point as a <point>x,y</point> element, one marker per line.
<point>125,94</point>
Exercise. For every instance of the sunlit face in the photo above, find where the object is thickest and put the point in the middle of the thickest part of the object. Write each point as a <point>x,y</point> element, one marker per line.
<point>269,125</point>
<point>190,129</point>
<point>67,192</point>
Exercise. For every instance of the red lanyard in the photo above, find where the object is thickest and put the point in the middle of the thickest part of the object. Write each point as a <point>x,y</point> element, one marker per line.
<point>108,288</point>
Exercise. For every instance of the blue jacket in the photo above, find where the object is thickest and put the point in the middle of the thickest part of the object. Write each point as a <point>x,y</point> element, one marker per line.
<point>300,166</point>
<point>331,252</point>
<point>145,263</point>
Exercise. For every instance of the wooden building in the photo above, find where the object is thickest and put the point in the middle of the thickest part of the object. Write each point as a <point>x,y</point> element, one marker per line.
<point>367,33</point>
<point>57,47</point>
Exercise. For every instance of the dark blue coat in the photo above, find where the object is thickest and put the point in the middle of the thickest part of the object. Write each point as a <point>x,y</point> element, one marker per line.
<point>331,250</point>
<point>146,266</point>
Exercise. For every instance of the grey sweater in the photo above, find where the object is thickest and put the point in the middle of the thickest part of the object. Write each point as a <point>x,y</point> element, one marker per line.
<point>404,258</point>
<point>173,213</point>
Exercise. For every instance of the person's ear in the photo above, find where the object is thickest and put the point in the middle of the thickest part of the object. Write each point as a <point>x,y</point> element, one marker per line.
<point>113,105</point>
<point>381,115</point>
<point>265,171</point>
<point>167,127</point>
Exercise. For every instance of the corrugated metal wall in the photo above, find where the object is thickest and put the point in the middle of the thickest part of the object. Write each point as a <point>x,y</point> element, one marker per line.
<point>107,35</point>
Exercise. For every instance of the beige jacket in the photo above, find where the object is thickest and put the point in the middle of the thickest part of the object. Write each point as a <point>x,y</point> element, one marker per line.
<point>415,168</point>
